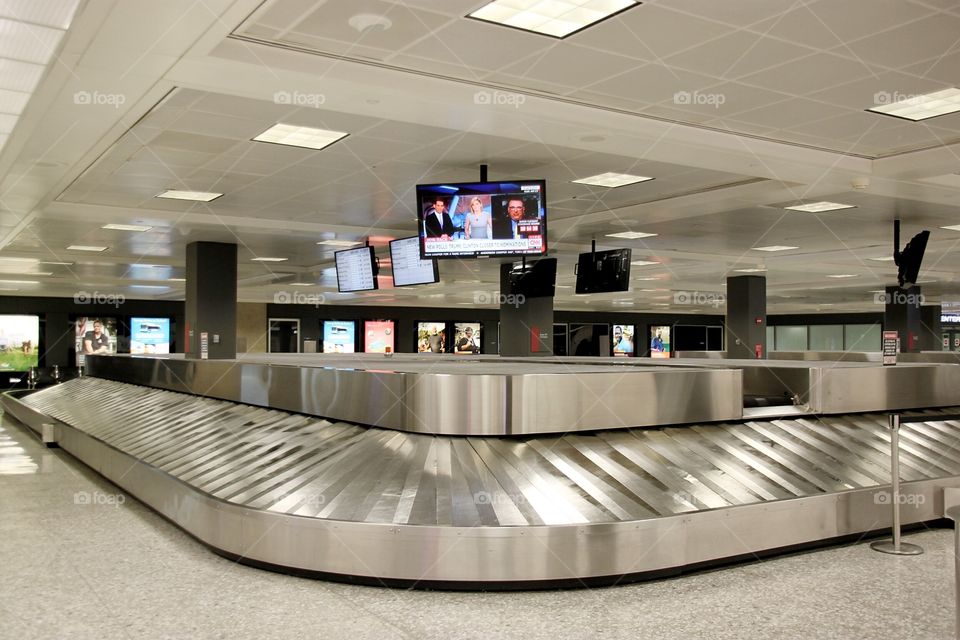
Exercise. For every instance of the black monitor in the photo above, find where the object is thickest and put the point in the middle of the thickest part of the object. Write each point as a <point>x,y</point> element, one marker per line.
<point>910,258</point>
<point>356,270</point>
<point>603,271</point>
<point>532,280</point>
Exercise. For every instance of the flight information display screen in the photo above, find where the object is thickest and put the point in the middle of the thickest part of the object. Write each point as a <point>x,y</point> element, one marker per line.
<point>356,270</point>
<point>408,267</point>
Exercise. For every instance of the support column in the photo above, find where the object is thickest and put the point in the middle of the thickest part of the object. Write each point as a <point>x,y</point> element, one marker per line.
<point>931,330</point>
<point>902,314</point>
<point>211,305</point>
<point>746,323</point>
<point>526,321</point>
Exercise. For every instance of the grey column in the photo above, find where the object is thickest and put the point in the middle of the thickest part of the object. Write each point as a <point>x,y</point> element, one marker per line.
<point>211,305</point>
<point>931,331</point>
<point>902,314</point>
<point>526,325</point>
<point>746,316</point>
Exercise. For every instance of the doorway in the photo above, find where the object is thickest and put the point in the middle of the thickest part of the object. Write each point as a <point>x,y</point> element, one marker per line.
<point>284,335</point>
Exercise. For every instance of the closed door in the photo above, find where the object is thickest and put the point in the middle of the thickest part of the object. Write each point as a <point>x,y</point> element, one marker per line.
<point>284,335</point>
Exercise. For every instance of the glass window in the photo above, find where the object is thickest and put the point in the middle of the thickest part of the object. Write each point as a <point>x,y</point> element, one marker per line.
<point>863,337</point>
<point>791,338</point>
<point>826,337</point>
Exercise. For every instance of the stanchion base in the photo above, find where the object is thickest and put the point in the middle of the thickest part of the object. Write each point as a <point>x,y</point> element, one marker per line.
<point>906,549</point>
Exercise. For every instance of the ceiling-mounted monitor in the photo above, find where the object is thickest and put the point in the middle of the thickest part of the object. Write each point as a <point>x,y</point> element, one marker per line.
<point>408,267</point>
<point>476,219</point>
<point>356,270</point>
<point>603,271</point>
<point>908,261</point>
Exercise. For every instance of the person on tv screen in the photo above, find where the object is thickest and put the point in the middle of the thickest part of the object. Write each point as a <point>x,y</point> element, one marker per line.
<point>621,341</point>
<point>508,227</point>
<point>96,341</point>
<point>467,343</point>
<point>437,222</point>
<point>656,344</point>
<point>435,341</point>
<point>478,223</point>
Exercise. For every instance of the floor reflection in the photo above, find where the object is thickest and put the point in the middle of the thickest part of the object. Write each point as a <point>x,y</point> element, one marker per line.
<point>14,459</point>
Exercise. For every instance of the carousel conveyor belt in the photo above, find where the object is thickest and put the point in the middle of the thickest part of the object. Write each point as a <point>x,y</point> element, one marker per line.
<point>302,494</point>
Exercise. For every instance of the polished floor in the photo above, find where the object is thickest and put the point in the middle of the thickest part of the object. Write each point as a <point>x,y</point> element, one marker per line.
<point>81,560</point>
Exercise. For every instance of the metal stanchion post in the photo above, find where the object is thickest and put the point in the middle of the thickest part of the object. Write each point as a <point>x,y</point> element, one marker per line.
<point>894,546</point>
<point>954,514</point>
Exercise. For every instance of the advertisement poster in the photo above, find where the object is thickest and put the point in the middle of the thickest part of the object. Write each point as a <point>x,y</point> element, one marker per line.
<point>339,336</point>
<point>431,337</point>
<point>19,342</point>
<point>149,335</point>
<point>623,344</point>
<point>659,342</point>
<point>94,336</point>
<point>378,336</point>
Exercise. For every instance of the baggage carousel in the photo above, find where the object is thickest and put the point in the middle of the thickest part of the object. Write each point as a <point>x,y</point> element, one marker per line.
<point>307,494</point>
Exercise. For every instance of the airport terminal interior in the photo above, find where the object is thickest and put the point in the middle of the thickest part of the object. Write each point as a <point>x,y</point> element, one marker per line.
<point>480,318</point>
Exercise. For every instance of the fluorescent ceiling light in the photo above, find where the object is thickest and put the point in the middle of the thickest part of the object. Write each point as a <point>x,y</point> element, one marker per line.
<point>643,263</point>
<point>953,227</point>
<point>148,286</point>
<point>843,275</point>
<point>645,279</point>
<point>23,272</point>
<point>921,107</point>
<point>557,18</point>
<point>126,227</point>
<point>269,259</point>
<point>303,284</point>
<point>62,264</point>
<point>750,270</point>
<point>294,136</point>
<point>631,235</point>
<point>195,196</point>
<point>12,259</point>
<point>84,247</point>
<point>176,279</point>
<point>612,180</point>
<point>775,247</point>
<point>887,258</point>
<point>661,304</point>
<point>19,282</point>
<point>339,243</point>
<point>820,207</point>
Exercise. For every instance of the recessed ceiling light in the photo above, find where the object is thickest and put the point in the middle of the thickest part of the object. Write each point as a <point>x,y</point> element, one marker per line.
<point>84,247</point>
<point>557,18</point>
<point>645,279</point>
<point>269,259</point>
<point>62,264</point>
<point>953,227</point>
<point>176,279</point>
<point>775,247</point>
<point>148,286</point>
<point>339,243</point>
<point>661,304</point>
<point>303,284</point>
<point>646,290</point>
<point>843,275</point>
<point>294,136</point>
<point>921,107</point>
<point>126,227</point>
<point>631,235</point>
<point>750,270</point>
<point>6,259</point>
<point>883,259</point>
<point>643,263</point>
<point>19,282</point>
<point>612,180</point>
<point>820,207</point>
<point>195,196</point>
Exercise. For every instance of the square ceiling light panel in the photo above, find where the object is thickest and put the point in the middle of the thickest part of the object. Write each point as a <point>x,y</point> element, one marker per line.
<point>920,107</point>
<point>612,180</point>
<point>555,18</point>
<point>820,207</point>
<point>295,136</point>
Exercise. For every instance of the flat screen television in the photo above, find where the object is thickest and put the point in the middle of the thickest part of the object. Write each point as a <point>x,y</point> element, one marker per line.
<point>149,335</point>
<point>356,270</point>
<point>431,337</point>
<point>603,271</point>
<point>408,267</point>
<point>537,280</point>
<point>94,335</point>
<point>908,261</point>
<point>19,342</point>
<point>379,336</point>
<point>339,336</point>
<point>466,338</point>
<point>475,219</point>
<point>659,341</point>
<point>624,343</point>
